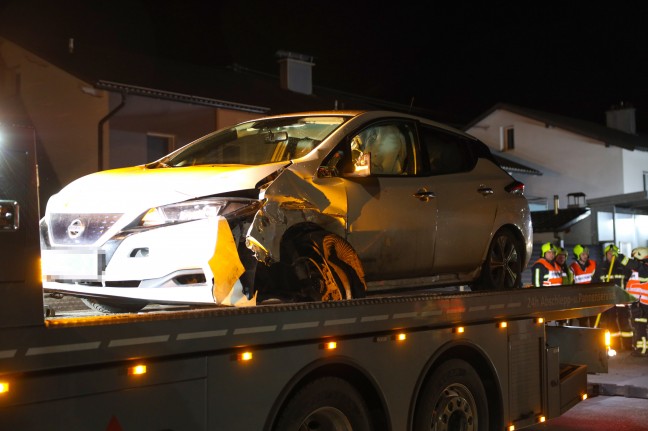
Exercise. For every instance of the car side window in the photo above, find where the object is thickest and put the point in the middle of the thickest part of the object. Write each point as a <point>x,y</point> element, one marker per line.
<point>388,147</point>
<point>447,153</point>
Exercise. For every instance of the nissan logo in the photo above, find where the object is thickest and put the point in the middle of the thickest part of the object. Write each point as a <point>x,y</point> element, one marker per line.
<point>75,229</point>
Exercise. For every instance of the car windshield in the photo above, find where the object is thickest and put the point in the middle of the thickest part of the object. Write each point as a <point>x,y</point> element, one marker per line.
<point>256,142</point>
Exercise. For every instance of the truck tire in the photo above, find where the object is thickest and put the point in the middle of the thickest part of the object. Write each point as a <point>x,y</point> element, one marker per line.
<point>325,404</point>
<point>326,267</point>
<point>453,399</point>
<point>113,306</point>
<point>502,268</point>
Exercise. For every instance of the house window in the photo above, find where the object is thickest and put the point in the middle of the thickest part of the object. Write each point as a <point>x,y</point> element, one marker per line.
<point>509,139</point>
<point>157,146</point>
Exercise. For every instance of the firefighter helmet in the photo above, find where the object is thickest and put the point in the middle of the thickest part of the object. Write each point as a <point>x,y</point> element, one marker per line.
<point>579,249</point>
<point>547,246</point>
<point>559,250</point>
<point>640,253</point>
<point>613,248</point>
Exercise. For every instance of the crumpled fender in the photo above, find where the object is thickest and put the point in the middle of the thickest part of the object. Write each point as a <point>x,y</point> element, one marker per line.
<point>291,200</point>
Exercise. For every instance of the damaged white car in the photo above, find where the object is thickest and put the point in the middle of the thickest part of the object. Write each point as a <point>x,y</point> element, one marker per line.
<point>304,207</point>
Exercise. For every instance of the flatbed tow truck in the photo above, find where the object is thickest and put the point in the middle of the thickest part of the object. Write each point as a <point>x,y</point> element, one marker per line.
<point>422,360</point>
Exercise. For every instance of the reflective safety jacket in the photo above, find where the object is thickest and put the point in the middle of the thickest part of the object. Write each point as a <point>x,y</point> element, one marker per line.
<point>545,273</point>
<point>637,284</point>
<point>583,273</point>
<point>638,287</point>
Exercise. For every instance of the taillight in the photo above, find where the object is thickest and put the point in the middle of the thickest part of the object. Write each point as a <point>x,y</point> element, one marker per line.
<point>515,187</point>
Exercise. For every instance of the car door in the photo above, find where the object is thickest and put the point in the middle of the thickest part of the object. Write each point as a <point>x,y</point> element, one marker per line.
<point>465,188</point>
<point>391,217</point>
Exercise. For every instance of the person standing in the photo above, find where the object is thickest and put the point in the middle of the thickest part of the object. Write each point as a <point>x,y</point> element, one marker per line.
<point>561,261</point>
<point>582,269</point>
<point>618,319</point>
<point>638,286</point>
<point>545,271</point>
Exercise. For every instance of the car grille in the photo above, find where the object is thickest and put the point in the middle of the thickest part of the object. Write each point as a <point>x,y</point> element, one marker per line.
<point>80,229</point>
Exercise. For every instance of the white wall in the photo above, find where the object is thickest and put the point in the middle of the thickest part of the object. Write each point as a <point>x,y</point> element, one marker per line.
<point>570,163</point>
<point>64,115</point>
<point>635,163</point>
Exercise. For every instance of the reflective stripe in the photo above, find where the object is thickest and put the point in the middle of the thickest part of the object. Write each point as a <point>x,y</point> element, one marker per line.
<point>582,276</point>
<point>553,276</point>
<point>638,286</point>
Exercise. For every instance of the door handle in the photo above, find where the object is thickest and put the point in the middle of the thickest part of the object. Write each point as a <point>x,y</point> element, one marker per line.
<point>485,191</point>
<point>424,195</point>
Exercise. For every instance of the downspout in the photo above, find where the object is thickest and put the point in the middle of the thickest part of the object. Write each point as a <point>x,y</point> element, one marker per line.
<point>101,124</point>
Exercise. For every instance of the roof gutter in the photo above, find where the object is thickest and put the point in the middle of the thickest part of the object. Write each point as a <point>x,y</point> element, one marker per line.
<point>101,126</point>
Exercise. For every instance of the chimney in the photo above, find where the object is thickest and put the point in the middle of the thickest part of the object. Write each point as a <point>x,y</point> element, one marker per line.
<point>296,72</point>
<point>621,117</point>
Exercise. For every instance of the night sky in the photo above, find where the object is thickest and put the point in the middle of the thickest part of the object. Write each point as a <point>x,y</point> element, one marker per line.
<point>460,58</point>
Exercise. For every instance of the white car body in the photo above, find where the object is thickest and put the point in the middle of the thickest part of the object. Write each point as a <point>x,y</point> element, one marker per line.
<point>413,226</point>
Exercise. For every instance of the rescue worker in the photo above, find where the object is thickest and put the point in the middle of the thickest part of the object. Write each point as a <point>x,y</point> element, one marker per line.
<point>618,319</point>
<point>561,261</point>
<point>582,270</point>
<point>544,271</point>
<point>582,267</point>
<point>638,286</point>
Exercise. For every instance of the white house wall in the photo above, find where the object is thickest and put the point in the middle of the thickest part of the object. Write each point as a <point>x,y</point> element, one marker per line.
<point>635,163</point>
<point>569,162</point>
<point>62,109</point>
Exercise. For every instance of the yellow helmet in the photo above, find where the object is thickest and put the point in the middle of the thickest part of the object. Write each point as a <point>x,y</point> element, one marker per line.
<point>613,248</point>
<point>579,249</point>
<point>559,250</point>
<point>547,246</point>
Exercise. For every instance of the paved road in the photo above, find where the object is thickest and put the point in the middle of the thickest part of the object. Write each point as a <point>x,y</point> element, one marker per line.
<point>602,413</point>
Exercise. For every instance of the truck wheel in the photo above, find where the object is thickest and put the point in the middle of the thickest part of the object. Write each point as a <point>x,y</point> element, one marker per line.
<point>503,266</point>
<point>113,306</point>
<point>454,399</point>
<point>326,404</point>
<point>326,267</point>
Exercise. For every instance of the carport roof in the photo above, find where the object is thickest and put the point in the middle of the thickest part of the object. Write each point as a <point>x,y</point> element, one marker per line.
<point>514,167</point>
<point>557,221</point>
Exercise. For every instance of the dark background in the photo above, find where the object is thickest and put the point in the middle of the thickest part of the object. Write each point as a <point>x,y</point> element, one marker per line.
<point>456,58</point>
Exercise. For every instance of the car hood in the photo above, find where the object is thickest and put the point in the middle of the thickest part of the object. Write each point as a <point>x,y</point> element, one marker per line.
<point>138,188</point>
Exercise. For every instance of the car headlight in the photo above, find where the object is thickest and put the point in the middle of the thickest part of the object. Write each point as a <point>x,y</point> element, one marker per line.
<point>196,210</point>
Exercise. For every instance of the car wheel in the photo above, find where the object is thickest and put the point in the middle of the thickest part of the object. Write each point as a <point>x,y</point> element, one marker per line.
<point>326,268</point>
<point>453,399</point>
<point>328,403</point>
<point>502,268</point>
<point>113,306</point>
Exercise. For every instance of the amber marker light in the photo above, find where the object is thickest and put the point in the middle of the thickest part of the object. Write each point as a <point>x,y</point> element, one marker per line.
<point>542,419</point>
<point>330,345</point>
<point>511,428</point>
<point>539,320</point>
<point>502,325</point>
<point>583,397</point>
<point>459,330</point>
<point>244,356</point>
<point>401,336</point>
<point>137,370</point>
<point>608,339</point>
<point>4,388</point>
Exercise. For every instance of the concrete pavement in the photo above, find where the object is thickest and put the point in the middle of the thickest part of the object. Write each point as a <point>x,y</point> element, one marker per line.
<point>627,376</point>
